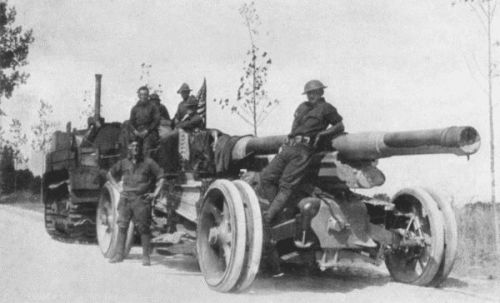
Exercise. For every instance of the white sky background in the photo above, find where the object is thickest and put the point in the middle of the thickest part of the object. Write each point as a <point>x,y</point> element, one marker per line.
<point>390,66</point>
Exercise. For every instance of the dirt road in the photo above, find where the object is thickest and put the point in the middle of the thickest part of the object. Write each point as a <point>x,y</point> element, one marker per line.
<point>35,268</point>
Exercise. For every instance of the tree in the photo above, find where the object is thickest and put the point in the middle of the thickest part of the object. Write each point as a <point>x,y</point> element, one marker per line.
<point>484,10</point>
<point>14,48</point>
<point>145,77</point>
<point>42,131</point>
<point>7,170</point>
<point>18,140</point>
<point>253,104</point>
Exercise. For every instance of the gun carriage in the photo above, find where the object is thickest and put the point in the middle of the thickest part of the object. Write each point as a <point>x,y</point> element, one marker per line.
<point>214,205</point>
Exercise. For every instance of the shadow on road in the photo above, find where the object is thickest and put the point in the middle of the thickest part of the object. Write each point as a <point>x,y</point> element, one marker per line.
<point>185,265</point>
<point>340,280</point>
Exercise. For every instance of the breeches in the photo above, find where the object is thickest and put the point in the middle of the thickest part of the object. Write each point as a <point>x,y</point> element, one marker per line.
<point>133,207</point>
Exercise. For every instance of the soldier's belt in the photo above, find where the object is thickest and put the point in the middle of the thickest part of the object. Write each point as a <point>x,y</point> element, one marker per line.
<point>294,140</point>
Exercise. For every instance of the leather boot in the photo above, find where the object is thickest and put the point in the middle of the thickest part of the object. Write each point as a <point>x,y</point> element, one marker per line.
<point>277,205</point>
<point>119,255</point>
<point>145,241</point>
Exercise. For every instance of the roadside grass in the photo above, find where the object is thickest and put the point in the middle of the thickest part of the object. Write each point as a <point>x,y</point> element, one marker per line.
<point>23,199</point>
<point>476,246</point>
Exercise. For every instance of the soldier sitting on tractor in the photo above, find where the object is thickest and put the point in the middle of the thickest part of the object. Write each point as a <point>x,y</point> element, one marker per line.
<point>144,121</point>
<point>138,175</point>
<point>187,119</point>
<point>166,123</point>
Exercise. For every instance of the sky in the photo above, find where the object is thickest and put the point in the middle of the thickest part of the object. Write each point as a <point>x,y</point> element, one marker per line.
<point>389,66</point>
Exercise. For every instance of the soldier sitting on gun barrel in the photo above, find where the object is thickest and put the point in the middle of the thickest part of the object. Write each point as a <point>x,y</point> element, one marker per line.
<point>138,176</point>
<point>289,166</point>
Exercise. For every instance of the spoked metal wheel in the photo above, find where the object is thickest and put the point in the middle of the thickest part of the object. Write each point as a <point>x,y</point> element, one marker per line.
<point>106,226</point>
<point>450,237</point>
<point>418,257</point>
<point>221,236</point>
<point>254,235</point>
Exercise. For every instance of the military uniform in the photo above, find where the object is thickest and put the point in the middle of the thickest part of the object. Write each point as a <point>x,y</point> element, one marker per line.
<point>288,167</point>
<point>186,118</point>
<point>145,116</point>
<point>137,179</point>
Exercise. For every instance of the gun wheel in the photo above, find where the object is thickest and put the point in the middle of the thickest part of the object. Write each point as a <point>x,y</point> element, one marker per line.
<point>418,217</point>
<point>450,238</point>
<point>106,223</point>
<point>254,235</point>
<point>221,236</point>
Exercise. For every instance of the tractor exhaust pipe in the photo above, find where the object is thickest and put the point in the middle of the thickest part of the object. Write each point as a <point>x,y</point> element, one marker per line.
<point>97,104</point>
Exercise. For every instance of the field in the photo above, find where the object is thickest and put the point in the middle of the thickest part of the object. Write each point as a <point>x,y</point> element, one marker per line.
<point>476,247</point>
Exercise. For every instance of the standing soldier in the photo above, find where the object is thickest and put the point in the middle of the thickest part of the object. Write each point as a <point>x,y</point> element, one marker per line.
<point>138,176</point>
<point>144,121</point>
<point>287,169</point>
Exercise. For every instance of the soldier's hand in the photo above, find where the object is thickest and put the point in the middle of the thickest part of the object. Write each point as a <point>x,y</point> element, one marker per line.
<point>136,133</point>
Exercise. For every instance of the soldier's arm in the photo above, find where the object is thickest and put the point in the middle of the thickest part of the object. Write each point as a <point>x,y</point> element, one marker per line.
<point>337,126</point>
<point>116,170</point>
<point>157,172</point>
<point>132,120</point>
<point>193,122</point>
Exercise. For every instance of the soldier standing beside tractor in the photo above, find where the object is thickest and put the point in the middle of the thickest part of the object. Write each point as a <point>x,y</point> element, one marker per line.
<point>138,175</point>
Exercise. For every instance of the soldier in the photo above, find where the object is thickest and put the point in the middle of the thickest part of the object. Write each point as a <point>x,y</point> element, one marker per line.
<point>288,167</point>
<point>138,175</point>
<point>166,124</point>
<point>144,121</point>
<point>186,118</point>
<point>310,125</point>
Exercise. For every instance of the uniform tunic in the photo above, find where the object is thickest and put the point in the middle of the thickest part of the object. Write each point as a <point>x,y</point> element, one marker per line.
<point>145,116</point>
<point>288,167</point>
<point>137,179</point>
<point>186,116</point>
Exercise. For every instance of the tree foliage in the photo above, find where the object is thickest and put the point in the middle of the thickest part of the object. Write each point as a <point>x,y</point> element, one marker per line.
<point>7,170</point>
<point>17,142</point>
<point>43,129</point>
<point>253,104</point>
<point>14,48</point>
<point>145,78</point>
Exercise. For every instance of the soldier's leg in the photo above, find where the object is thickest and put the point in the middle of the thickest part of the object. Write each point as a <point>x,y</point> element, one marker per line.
<point>150,142</point>
<point>123,221</point>
<point>168,154</point>
<point>297,161</point>
<point>271,174</point>
<point>142,219</point>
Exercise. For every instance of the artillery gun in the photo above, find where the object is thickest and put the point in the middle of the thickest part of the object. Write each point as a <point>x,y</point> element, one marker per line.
<point>74,174</point>
<point>218,213</point>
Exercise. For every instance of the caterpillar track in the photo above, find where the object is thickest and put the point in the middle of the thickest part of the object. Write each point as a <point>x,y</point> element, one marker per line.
<point>67,221</point>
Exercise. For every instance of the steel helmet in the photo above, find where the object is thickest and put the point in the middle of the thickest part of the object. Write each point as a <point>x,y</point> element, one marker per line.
<point>184,87</point>
<point>313,85</point>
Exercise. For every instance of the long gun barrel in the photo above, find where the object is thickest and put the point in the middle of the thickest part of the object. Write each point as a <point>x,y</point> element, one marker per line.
<point>458,140</point>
